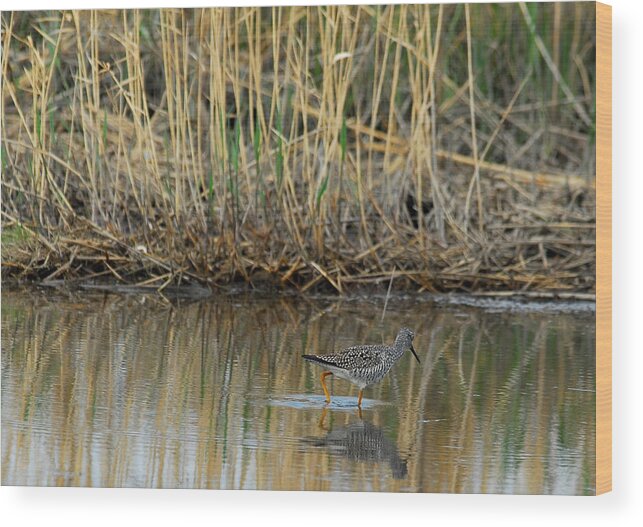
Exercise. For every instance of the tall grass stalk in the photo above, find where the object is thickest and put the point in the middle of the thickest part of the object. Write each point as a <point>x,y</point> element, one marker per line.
<point>311,145</point>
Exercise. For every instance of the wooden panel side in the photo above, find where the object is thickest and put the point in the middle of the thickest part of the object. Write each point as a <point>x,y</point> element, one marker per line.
<point>603,248</point>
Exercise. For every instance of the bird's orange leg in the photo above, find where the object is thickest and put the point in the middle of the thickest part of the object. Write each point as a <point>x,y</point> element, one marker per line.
<point>359,398</point>
<point>323,376</point>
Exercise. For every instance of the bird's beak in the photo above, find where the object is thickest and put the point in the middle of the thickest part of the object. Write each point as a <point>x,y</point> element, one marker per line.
<point>415,354</point>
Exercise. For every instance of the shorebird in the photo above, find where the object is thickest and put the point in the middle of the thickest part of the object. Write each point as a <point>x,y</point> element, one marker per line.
<point>364,365</point>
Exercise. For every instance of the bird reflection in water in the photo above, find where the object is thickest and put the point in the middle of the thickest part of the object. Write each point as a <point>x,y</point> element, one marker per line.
<point>361,441</point>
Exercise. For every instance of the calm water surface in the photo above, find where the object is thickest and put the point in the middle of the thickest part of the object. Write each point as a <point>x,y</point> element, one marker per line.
<point>128,391</point>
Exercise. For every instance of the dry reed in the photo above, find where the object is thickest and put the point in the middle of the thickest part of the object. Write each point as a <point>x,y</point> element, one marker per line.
<point>450,147</point>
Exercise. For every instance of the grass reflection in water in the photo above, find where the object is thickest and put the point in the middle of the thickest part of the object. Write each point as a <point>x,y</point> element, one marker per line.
<point>101,390</point>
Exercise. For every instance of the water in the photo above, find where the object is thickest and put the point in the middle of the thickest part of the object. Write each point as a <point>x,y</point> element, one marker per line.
<point>134,391</point>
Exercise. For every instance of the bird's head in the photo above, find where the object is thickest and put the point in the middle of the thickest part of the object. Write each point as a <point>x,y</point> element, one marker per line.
<point>405,340</point>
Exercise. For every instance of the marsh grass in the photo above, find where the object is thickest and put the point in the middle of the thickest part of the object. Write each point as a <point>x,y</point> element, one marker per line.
<point>450,146</point>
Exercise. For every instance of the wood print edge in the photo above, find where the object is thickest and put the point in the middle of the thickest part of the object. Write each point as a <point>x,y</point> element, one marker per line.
<point>603,248</point>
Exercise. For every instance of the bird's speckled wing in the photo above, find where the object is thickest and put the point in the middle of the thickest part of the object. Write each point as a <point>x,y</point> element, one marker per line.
<point>356,357</point>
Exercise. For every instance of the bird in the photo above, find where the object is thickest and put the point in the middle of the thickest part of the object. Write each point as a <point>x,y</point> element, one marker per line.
<point>364,365</point>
